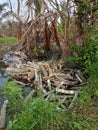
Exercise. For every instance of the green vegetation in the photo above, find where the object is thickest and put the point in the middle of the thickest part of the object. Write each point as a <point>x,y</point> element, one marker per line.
<point>34,114</point>
<point>8,40</point>
<point>40,114</point>
<point>80,28</point>
<point>87,54</point>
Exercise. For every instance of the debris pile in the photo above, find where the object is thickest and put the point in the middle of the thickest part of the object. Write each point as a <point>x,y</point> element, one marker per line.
<point>50,76</point>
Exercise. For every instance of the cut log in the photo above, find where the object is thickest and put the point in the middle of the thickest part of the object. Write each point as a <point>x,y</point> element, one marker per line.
<point>3,116</point>
<point>79,78</point>
<point>65,91</point>
<point>16,70</point>
<point>72,102</point>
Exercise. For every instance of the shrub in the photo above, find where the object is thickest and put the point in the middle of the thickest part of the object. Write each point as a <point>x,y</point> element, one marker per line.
<point>87,54</point>
<point>92,71</point>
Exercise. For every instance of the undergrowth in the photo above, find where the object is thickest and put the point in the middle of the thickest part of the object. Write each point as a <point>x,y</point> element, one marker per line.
<point>36,114</point>
<point>88,53</point>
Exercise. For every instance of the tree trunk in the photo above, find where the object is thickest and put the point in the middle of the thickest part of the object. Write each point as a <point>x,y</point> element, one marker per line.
<point>66,50</point>
<point>19,35</point>
<point>47,37</point>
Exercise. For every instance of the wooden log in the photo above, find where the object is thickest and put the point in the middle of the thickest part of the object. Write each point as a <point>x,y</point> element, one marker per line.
<point>19,82</point>
<point>71,83</point>
<point>65,91</point>
<point>61,96</point>
<point>3,116</point>
<point>29,96</point>
<point>44,71</point>
<point>30,76</point>
<point>65,81</point>
<point>79,78</point>
<point>69,76</point>
<point>16,70</point>
<point>72,102</point>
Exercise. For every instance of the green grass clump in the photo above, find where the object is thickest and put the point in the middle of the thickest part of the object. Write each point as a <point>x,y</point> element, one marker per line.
<point>8,40</point>
<point>39,114</point>
<point>92,71</point>
<point>36,114</point>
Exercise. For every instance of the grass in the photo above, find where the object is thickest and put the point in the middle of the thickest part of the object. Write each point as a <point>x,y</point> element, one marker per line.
<point>8,40</point>
<point>36,114</point>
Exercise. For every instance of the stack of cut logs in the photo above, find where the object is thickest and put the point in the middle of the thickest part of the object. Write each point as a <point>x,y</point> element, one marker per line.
<point>51,77</point>
<point>58,83</point>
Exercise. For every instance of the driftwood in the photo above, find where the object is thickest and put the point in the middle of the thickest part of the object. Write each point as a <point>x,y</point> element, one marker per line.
<point>50,78</point>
